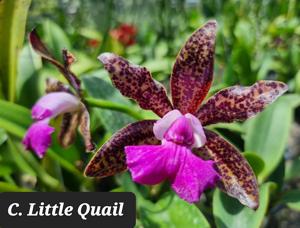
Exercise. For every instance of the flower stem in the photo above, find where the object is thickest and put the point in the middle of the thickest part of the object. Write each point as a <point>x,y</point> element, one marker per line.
<point>104,104</point>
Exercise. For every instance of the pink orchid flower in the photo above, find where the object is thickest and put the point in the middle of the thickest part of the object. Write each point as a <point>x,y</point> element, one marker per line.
<point>177,148</point>
<point>38,136</point>
<point>59,100</point>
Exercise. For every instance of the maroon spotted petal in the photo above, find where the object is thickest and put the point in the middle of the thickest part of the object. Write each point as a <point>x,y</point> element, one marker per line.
<point>193,70</point>
<point>137,83</point>
<point>239,103</point>
<point>110,158</point>
<point>237,177</point>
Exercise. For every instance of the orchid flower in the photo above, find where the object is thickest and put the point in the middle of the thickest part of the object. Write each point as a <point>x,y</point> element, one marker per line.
<point>59,100</point>
<point>177,147</point>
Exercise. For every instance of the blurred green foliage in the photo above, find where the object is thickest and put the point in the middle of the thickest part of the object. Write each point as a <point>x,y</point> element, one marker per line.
<point>256,40</point>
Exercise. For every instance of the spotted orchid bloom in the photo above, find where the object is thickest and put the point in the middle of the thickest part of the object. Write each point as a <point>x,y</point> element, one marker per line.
<point>177,147</point>
<point>59,101</point>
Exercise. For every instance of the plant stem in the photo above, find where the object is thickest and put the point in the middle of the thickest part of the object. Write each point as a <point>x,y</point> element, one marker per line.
<point>104,104</point>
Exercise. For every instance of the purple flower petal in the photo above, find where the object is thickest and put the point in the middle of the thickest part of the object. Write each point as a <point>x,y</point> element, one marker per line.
<point>53,104</point>
<point>150,164</point>
<point>189,175</point>
<point>162,125</point>
<point>193,177</point>
<point>180,132</point>
<point>38,137</point>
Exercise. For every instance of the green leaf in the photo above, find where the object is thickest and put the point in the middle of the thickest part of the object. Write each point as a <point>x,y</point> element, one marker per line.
<point>255,162</point>
<point>3,136</point>
<point>55,38</point>
<point>292,169</point>
<point>297,82</point>
<point>6,187</point>
<point>5,170</point>
<point>28,77</point>
<point>15,114</point>
<point>169,211</point>
<point>99,88</point>
<point>228,212</point>
<point>292,199</point>
<point>173,212</point>
<point>13,16</point>
<point>268,132</point>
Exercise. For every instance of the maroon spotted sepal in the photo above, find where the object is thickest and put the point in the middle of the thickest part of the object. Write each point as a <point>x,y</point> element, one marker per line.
<point>110,158</point>
<point>137,83</point>
<point>193,70</point>
<point>239,103</point>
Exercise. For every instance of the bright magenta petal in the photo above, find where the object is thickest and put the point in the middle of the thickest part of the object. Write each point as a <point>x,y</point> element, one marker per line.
<point>188,174</point>
<point>239,103</point>
<point>137,83</point>
<point>180,132</point>
<point>38,138</point>
<point>110,158</point>
<point>193,70</point>
<point>150,164</point>
<point>193,177</point>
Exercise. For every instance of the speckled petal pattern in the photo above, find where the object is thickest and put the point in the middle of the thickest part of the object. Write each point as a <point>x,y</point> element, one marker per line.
<point>237,177</point>
<point>137,83</point>
<point>68,129</point>
<point>110,158</point>
<point>193,70</point>
<point>239,103</point>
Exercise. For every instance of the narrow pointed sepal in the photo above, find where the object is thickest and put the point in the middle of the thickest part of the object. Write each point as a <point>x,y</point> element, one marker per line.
<point>110,158</point>
<point>237,177</point>
<point>137,83</point>
<point>193,70</point>
<point>238,103</point>
<point>85,131</point>
<point>41,49</point>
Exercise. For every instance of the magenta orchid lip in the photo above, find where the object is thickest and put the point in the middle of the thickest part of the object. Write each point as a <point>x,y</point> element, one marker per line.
<point>190,82</point>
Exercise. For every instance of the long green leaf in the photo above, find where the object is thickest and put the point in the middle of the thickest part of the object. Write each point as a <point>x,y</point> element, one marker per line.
<point>13,14</point>
<point>228,212</point>
<point>267,134</point>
